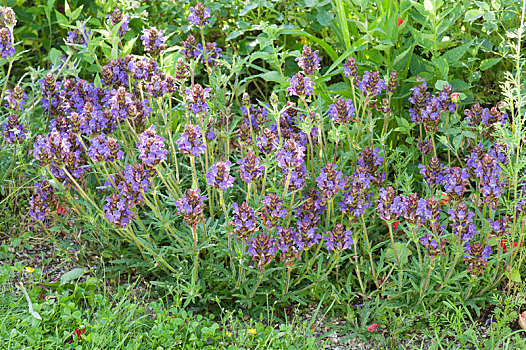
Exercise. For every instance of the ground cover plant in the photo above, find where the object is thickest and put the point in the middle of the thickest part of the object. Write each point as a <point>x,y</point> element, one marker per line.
<point>360,164</point>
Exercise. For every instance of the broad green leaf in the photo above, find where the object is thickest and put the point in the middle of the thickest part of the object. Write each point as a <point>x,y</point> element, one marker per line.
<point>272,76</point>
<point>454,55</point>
<point>515,275</point>
<point>490,62</point>
<point>72,275</point>
<point>472,15</point>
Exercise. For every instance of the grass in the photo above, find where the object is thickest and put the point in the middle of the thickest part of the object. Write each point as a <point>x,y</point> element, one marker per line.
<point>128,317</point>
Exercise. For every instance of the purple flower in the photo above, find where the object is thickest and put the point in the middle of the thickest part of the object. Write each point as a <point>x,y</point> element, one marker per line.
<point>272,211</point>
<point>350,69</point>
<point>433,247</point>
<point>390,206</point>
<point>476,257</point>
<point>16,98</point>
<point>500,227</point>
<point>190,142</point>
<point>433,173</point>
<point>136,180</point>
<point>197,97</point>
<point>307,235</point>
<point>120,102</point>
<point>309,61</point>
<point>358,198</point>
<point>370,84</point>
<point>153,41</point>
<point>119,17</point>
<point>219,176</point>
<point>267,142</point>
<point>191,206</point>
<point>300,85</point>
<point>6,44</point>
<point>14,130</point>
<point>244,221</point>
<point>291,156</point>
<point>118,210</point>
<point>104,149</point>
<point>311,208</point>
<point>43,201</point>
<point>78,36</point>
<point>342,111</point>
<point>211,52</point>
<point>462,222</point>
<point>262,250</point>
<point>286,243</point>
<point>7,17</point>
<point>455,180</point>
<point>487,169</point>
<point>151,147</point>
<point>393,83</point>
<point>338,239</point>
<point>199,15</point>
<point>250,168</point>
<point>330,181</point>
<point>371,161</point>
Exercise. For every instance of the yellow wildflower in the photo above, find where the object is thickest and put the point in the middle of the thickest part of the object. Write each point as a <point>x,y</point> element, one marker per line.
<point>229,334</point>
<point>251,331</point>
<point>29,269</point>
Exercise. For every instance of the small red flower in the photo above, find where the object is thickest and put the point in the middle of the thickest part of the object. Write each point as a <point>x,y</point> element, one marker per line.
<point>503,245</point>
<point>400,21</point>
<point>76,335</point>
<point>60,209</point>
<point>444,199</point>
<point>455,98</point>
<point>395,225</point>
<point>372,327</point>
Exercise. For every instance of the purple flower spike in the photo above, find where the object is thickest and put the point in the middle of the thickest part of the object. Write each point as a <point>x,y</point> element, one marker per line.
<point>219,176</point>
<point>16,98</point>
<point>153,41</point>
<point>338,239</point>
<point>273,211</point>
<point>262,250</point>
<point>190,142</point>
<point>117,17</point>
<point>370,84</point>
<point>330,181</point>
<point>300,85</point>
<point>118,210</point>
<point>197,97</point>
<point>6,44</point>
<point>191,206</point>
<point>350,69</point>
<point>14,130</point>
<point>286,243</point>
<point>7,17</point>
<point>244,221</point>
<point>462,222</point>
<point>199,15</point>
<point>151,147</point>
<point>342,111</point>
<point>476,257</point>
<point>309,60</point>
<point>42,202</point>
<point>104,149</point>
<point>250,168</point>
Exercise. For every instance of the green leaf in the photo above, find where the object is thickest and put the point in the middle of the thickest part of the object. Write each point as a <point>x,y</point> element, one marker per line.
<point>328,49</point>
<point>439,85</point>
<point>472,15</point>
<point>454,55</point>
<point>272,76</point>
<point>515,275</point>
<point>402,251</point>
<point>234,35</point>
<point>490,62</point>
<point>72,275</point>
<point>248,8</point>
<point>325,18</point>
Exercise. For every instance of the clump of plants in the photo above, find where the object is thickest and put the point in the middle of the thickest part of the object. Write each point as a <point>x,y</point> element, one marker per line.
<point>163,163</point>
